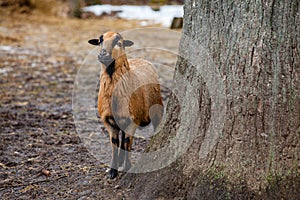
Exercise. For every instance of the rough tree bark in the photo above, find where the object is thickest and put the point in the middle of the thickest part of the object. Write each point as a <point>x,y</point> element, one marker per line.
<point>240,58</point>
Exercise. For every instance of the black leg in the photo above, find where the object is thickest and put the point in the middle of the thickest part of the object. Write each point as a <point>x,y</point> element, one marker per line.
<point>128,144</point>
<point>122,150</point>
<point>114,139</point>
<point>127,161</point>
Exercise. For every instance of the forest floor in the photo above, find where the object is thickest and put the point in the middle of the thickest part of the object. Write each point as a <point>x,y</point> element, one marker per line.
<point>41,154</point>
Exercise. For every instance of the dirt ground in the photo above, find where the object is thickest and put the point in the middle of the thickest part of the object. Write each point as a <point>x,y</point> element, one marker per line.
<point>41,154</point>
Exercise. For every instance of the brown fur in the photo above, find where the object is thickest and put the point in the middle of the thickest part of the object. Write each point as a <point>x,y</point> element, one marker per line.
<point>130,101</point>
<point>141,100</point>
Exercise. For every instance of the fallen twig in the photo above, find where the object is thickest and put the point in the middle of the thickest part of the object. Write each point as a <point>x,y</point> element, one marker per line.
<point>31,183</point>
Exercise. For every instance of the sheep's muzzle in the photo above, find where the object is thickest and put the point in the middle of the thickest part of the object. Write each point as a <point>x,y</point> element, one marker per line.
<point>105,57</point>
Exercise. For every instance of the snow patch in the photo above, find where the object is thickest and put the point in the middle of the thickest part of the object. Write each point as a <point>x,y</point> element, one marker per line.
<point>5,71</point>
<point>6,48</point>
<point>164,16</point>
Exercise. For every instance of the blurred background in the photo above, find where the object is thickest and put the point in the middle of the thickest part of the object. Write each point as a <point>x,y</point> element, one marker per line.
<point>163,12</point>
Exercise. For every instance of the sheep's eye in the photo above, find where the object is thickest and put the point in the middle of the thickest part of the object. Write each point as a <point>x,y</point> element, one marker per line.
<point>119,44</point>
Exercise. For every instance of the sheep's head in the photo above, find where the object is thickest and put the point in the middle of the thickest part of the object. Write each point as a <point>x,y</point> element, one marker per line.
<point>112,46</point>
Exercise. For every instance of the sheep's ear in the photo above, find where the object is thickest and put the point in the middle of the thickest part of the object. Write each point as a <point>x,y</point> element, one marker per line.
<point>127,43</point>
<point>94,42</point>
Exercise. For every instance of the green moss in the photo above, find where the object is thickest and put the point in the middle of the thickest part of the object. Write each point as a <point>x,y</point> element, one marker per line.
<point>216,172</point>
<point>216,183</point>
<point>275,178</point>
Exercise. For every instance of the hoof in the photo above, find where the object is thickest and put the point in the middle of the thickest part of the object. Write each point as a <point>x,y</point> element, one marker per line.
<point>113,173</point>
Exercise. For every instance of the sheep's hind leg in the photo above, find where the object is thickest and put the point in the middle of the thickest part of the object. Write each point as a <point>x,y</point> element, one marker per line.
<point>124,153</point>
<point>114,140</point>
<point>156,113</point>
<point>122,150</point>
<point>128,145</point>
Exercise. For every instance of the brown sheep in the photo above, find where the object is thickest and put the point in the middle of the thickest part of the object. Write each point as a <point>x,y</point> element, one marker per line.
<point>128,96</point>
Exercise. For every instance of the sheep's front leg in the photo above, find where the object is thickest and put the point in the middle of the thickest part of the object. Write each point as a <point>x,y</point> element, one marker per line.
<point>114,141</point>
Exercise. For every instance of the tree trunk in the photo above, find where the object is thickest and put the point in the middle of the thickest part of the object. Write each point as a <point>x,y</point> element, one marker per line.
<point>233,120</point>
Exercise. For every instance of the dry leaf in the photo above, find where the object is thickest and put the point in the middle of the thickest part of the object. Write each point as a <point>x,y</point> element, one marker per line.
<point>46,172</point>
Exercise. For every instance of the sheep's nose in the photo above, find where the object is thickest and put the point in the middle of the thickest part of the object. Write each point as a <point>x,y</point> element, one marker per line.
<point>104,57</point>
<point>103,53</point>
